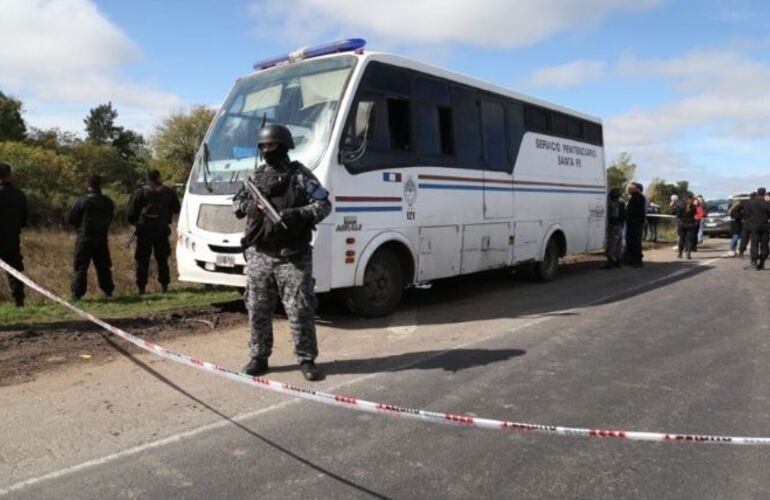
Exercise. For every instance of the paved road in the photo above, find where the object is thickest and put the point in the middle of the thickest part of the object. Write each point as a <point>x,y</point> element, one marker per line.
<point>676,347</point>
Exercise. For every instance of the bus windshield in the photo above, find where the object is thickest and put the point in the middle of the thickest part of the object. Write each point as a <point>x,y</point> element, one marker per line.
<point>304,96</point>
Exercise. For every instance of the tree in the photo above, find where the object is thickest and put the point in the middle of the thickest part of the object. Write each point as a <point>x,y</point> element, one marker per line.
<point>52,138</point>
<point>12,126</point>
<point>176,141</point>
<point>100,124</point>
<point>129,144</point>
<point>620,172</point>
<point>101,130</point>
<point>659,191</point>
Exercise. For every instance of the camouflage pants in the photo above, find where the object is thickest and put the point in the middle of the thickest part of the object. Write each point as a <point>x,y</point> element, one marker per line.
<point>291,278</point>
<point>614,243</point>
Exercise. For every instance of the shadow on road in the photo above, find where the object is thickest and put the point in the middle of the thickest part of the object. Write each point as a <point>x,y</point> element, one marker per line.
<point>258,437</point>
<point>494,295</point>
<point>451,361</point>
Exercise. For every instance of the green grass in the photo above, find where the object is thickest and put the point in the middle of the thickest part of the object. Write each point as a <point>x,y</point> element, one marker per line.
<point>126,306</point>
<point>48,255</point>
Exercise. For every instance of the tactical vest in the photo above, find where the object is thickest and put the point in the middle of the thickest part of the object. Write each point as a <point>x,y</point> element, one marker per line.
<point>96,217</point>
<point>155,211</point>
<point>284,190</point>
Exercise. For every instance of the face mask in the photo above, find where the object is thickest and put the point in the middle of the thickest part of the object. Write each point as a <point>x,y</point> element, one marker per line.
<point>275,157</point>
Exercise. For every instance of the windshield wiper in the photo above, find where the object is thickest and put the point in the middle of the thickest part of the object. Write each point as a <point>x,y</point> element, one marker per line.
<point>205,164</point>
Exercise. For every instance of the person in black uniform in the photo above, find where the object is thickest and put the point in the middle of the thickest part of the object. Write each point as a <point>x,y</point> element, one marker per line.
<point>636,214</point>
<point>13,217</point>
<point>756,216</point>
<point>92,215</point>
<point>150,210</point>
<point>745,233</point>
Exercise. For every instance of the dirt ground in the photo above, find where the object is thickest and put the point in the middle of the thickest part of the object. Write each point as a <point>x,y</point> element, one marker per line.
<point>26,354</point>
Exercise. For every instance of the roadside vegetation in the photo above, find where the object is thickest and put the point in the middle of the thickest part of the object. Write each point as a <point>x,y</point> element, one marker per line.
<point>48,255</point>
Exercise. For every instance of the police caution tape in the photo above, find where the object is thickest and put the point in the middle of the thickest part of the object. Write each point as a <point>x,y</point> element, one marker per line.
<point>383,408</point>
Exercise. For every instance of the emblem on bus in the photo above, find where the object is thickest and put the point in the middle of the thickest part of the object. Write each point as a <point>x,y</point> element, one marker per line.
<point>410,191</point>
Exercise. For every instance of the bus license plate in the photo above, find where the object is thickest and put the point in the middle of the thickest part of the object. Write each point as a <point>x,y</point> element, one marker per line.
<point>226,260</point>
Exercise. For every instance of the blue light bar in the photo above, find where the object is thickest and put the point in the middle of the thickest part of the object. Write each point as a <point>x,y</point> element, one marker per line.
<point>348,45</point>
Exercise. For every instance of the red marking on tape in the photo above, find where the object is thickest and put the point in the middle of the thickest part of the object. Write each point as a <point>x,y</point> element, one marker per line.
<point>261,380</point>
<point>607,434</point>
<point>698,439</point>
<point>197,361</point>
<point>517,427</point>
<point>346,400</point>
<point>460,419</point>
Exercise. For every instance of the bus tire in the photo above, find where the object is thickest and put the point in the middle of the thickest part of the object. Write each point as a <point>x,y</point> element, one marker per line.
<point>382,288</point>
<point>546,269</point>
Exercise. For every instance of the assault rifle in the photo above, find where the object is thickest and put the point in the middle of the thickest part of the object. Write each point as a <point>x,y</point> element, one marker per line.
<point>267,207</point>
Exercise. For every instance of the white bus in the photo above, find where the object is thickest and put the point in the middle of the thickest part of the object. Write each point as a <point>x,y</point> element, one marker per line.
<point>432,174</point>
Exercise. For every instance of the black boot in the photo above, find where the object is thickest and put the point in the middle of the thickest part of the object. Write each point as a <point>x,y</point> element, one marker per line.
<point>310,371</point>
<point>257,366</point>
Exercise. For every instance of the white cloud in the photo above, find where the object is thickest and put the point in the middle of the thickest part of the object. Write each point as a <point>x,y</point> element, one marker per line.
<point>723,91</point>
<point>66,51</point>
<point>568,75</point>
<point>498,23</point>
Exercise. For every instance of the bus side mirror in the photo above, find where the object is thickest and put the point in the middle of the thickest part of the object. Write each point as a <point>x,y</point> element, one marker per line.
<point>359,131</point>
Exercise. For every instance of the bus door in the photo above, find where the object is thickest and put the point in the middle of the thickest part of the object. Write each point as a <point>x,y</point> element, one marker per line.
<point>498,181</point>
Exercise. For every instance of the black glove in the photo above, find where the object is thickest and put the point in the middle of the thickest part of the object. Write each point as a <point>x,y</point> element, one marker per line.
<point>291,216</point>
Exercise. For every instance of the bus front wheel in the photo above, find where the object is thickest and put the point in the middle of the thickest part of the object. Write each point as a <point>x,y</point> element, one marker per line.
<point>382,288</point>
<point>547,268</point>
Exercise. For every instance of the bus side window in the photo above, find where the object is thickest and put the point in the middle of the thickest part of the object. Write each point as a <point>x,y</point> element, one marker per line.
<point>435,136</point>
<point>398,124</point>
<point>516,128</point>
<point>467,128</point>
<point>495,136</point>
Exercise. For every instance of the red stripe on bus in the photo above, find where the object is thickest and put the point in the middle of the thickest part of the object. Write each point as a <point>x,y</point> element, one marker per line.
<point>367,198</point>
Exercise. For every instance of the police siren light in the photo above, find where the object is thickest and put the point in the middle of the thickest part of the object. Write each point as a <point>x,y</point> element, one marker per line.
<point>348,45</point>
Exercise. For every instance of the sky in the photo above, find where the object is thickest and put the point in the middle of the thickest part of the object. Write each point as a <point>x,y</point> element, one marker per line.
<point>681,85</point>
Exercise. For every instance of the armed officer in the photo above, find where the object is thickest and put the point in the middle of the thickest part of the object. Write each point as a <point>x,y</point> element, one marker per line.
<point>279,256</point>
<point>151,210</point>
<point>92,215</point>
<point>13,217</point>
<point>756,217</point>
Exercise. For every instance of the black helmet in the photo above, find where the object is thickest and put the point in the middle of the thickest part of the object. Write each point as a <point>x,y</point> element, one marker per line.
<point>277,134</point>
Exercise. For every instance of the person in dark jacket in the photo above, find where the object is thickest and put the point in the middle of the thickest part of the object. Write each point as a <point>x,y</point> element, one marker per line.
<point>736,225</point>
<point>92,215</point>
<point>636,214</point>
<point>756,216</point>
<point>13,217</point>
<point>745,233</point>
<point>686,225</point>
<point>616,216</point>
<point>151,210</point>
<point>653,211</point>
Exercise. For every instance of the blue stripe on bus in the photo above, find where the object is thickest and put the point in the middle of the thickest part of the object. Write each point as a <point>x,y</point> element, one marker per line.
<point>463,187</point>
<point>367,209</point>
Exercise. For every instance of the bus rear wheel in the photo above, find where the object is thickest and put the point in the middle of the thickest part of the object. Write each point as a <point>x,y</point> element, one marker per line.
<point>382,288</point>
<point>546,269</point>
